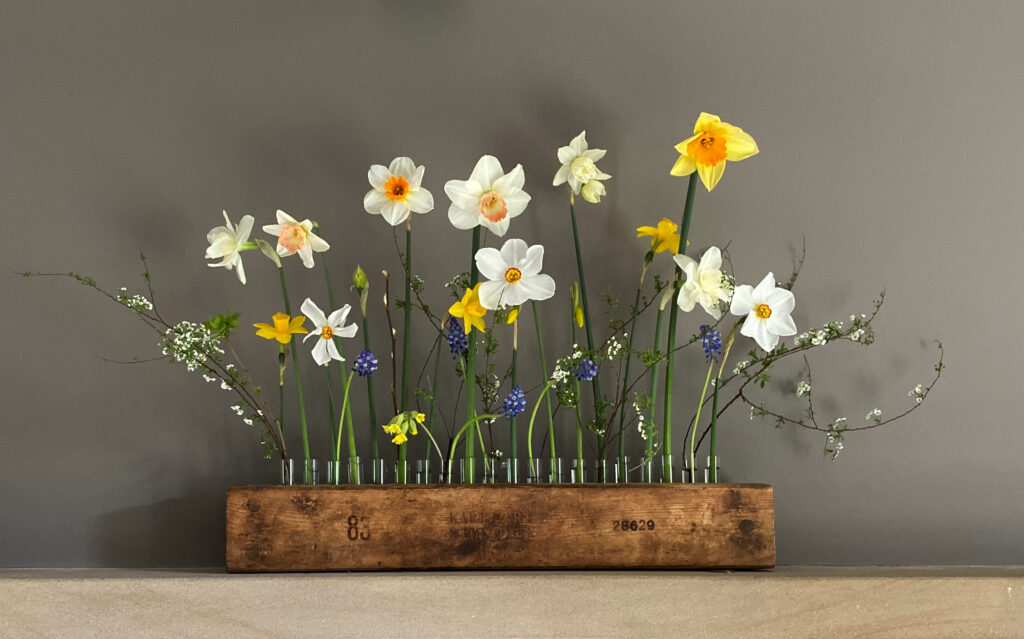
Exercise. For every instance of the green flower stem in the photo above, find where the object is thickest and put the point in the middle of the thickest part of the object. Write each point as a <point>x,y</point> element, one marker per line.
<point>375,431</point>
<point>579,438</point>
<point>533,416</point>
<point>586,316</point>
<point>295,368</point>
<point>345,412</point>
<point>470,454</point>
<point>335,432</point>
<point>696,420</point>
<point>649,454</point>
<point>433,390</point>
<point>455,441</point>
<point>673,318</point>
<point>625,383</point>
<point>512,433</point>
<point>547,397</point>
<point>713,454</point>
<point>406,341</point>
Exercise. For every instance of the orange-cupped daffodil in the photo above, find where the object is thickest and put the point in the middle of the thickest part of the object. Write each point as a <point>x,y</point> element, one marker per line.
<point>713,143</point>
<point>282,329</point>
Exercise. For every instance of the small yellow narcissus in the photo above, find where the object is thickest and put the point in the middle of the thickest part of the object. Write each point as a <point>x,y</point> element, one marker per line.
<point>470,310</point>
<point>663,237</point>
<point>282,329</point>
<point>713,143</point>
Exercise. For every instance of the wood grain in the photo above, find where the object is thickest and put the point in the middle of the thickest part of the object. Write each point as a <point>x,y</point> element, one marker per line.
<point>324,528</point>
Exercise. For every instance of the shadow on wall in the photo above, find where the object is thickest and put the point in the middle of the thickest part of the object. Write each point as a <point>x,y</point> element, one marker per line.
<point>184,531</point>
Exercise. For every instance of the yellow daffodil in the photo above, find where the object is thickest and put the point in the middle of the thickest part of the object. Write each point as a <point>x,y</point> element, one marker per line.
<point>663,237</point>
<point>513,315</point>
<point>470,310</point>
<point>282,329</point>
<point>712,144</point>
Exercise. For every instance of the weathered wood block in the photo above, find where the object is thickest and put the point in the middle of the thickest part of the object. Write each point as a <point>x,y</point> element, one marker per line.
<point>318,528</point>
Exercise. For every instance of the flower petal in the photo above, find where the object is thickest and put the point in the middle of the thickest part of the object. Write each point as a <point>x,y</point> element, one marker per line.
<point>337,318</point>
<point>764,288</point>
<point>513,252</point>
<point>742,300</point>
<point>486,172</point>
<point>510,183</point>
<point>402,166</point>
<point>378,176</point>
<point>320,354</point>
<point>491,264</point>
<point>284,218</point>
<point>347,331</point>
<point>516,203</point>
<point>685,165</point>
<point>313,312</point>
<point>498,228</point>
<point>332,350</point>
<point>534,287</point>
<point>533,261</point>
<point>579,143</point>
<point>316,243</point>
<point>306,254</point>
<point>781,323</point>
<point>710,175</point>
<point>240,270</point>
<point>420,201</point>
<point>244,229</point>
<point>566,155</point>
<point>395,212</point>
<point>491,292</point>
<point>685,299</point>
<point>711,260</point>
<point>463,218</point>
<point>780,300</point>
<point>683,261</point>
<point>464,193</point>
<point>739,145</point>
<point>561,175</point>
<point>374,201</point>
<point>594,154</point>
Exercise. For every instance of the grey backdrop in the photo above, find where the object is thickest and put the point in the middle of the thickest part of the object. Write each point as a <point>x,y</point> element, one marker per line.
<point>890,138</point>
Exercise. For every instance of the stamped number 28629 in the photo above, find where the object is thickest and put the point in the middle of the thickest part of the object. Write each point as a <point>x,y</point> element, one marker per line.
<point>633,525</point>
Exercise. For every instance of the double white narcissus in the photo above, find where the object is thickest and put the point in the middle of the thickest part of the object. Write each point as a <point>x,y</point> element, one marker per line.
<point>513,275</point>
<point>226,242</point>
<point>579,169</point>
<point>704,282</point>
<point>489,198</point>
<point>768,311</point>
<point>294,237</point>
<point>327,328</point>
<point>396,191</point>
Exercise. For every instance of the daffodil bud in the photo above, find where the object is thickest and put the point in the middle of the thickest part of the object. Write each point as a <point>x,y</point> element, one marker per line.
<point>577,309</point>
<point>359,280</point>
<point>269,251</point>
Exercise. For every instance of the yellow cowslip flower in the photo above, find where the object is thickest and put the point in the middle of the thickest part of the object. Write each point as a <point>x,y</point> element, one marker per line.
<point>513,315</point>
<point>283,328</point>
<point>403,424</point>
<point>663,237</point>
<point>470,310</point>
<point>394,429</point>
<point>712,144</point>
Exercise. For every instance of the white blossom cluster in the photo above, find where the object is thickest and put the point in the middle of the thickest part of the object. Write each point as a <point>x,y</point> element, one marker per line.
<point>740,367</point>
<point>875,415</point>
<point>614,346</point>
<point>803,388</point>
<point>137,303</point>
<point>642,425</point>
<point>191,344</point>
<point>917,393</point>
<point>833,443</point>
<point>819,337</point>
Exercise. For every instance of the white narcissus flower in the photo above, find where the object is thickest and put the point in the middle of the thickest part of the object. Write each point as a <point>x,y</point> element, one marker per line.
<point>704,282</point>
<point>327,328</point>
<point>489,197</point>
<point>514,275</point>
<point>767,309</point>
<point>396,191</point>
<point>579,170</point>
<point>226,242</point>
<point>296,237</point>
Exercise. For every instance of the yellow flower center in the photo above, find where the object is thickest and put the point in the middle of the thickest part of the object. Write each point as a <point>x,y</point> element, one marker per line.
<point>763,311</point>
<point>292,238</point>
<point>492,207</point>
<point>708,149</point>
<point>327,332</point>
<point>397,188</point>
<point>513,275</point>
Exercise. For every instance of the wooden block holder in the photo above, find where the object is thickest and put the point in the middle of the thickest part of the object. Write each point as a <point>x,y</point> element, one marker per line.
<point>588,526</point>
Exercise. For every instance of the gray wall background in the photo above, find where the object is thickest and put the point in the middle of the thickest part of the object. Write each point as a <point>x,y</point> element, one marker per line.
<point>890,138</point>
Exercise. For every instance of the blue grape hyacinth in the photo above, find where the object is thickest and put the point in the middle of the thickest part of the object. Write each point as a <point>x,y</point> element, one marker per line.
<point>515,403</point>
<point>458,341</point>
<point>586,370</point>
<point>365,364</point>
<point>711,340</point>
